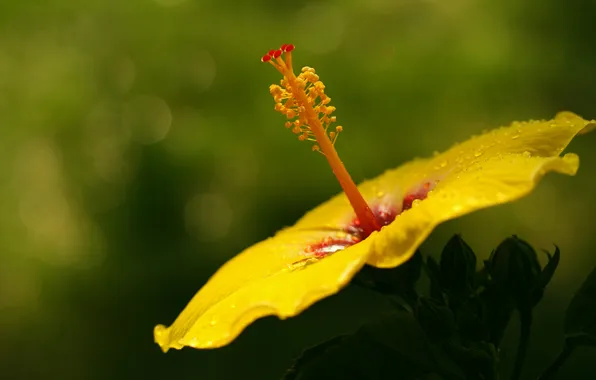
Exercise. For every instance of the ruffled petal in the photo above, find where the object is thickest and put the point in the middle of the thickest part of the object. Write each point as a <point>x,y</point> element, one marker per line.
<point>273,277</point>
<point>497,167</point>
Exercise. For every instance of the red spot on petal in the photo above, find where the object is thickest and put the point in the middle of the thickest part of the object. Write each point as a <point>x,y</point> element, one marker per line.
<point>408,201</point>
<point>418,194</point>
<point>385,213</point>
<point>330,245</point>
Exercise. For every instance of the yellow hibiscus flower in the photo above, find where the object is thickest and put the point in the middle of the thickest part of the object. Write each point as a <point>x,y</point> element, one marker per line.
<point>381,222</point>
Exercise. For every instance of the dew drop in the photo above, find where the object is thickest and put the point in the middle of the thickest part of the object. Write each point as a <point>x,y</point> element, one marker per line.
<point>456,208</point>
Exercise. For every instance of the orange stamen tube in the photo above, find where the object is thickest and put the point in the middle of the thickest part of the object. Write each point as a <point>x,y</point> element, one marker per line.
<point>302,99</point>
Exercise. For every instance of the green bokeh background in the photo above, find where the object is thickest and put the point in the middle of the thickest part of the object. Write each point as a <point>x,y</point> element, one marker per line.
<point>139,151</point>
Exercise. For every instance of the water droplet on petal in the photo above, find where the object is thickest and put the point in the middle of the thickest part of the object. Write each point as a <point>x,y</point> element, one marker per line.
<point>456,208</point>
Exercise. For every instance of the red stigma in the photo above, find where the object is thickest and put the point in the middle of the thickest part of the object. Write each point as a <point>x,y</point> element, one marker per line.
<point>288,48</point>
<point>271,52</point>
<point>276,53</point>
<point>283,47</point>
<point>266,58</point>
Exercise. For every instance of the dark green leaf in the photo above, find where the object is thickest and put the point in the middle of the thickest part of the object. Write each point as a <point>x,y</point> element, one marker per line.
<point>458,267</point>
<point>433,271</point>
<point>395,347</point>
<point>479,360</point>
<point>399,281</point>
<point>496,307</point>
<point>515,272</point>
<point>471,320</point>
<point>436,319</point>
<point>580,319</point>
<point>549,269</point>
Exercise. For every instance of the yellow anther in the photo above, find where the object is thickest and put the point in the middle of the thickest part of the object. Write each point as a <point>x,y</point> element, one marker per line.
<point>275,89</point>
<point>311,77</point>
<point>339,128</point>
<point>302,99</point>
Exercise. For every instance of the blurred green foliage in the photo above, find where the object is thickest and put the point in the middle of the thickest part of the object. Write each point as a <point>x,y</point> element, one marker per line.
<point>139,151</point>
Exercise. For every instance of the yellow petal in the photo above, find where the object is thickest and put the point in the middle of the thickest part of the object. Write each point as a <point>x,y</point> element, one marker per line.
<point>497,167</point>
<point>269,278</point>
<point>277,277</point>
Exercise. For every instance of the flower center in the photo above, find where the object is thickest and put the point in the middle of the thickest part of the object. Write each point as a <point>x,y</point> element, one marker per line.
<point>303,100</point>
<point>384,212</point>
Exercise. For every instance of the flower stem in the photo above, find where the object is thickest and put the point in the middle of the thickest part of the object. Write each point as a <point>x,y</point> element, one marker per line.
<point>525,317</point>
<point>555,366</point>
